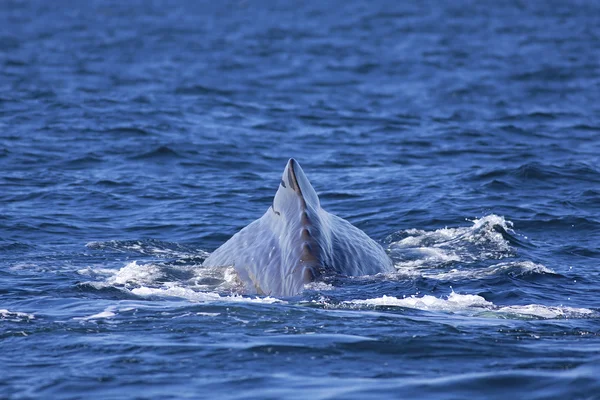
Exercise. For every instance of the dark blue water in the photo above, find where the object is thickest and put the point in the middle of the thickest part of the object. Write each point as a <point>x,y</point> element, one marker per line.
<point>136,137</point>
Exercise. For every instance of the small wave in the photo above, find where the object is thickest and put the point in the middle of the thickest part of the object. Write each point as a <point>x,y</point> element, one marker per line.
<point>535,171</point>
<point>545,222</point>
<point>276,343</point>
<point>319,286</point>
<point>9,43</point>
<point>475,305</point>
<point>513,269</point>
<point>111,183</point>
<point>15,246</point>
<point>545,312</point>
<point>192,295</point>
<point>126,131</point>
<point>271,126</point>
<point>85,161</point>
<point>149,247</point>
<point>586,127</point>
<point>485,239</point>
<point>15,316</point>
<point>106,314</point>
<point>498,186</point>
<point>200,90</point>
<point>160,153</point>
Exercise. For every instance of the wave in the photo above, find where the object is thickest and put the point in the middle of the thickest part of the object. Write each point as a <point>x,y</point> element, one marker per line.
<point>477,306</point>
<point>472,253</point>
<point>15,246</point>
<point>15,316</point>
<point>515,269</point>
<point>200,90</point>
<point>535,171</point>
<point>107,313</point>
<point>221,285</point>
<point>488,238</point>
<point>154,280</point>
<point>150,247</point>
<point>126,131</point>
<point>135,275</point>
<point>196,296</point>
<point>85,161</point>
<point>159,153</point>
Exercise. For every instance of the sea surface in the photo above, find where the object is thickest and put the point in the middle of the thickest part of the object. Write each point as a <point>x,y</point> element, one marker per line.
<point>136,137</point>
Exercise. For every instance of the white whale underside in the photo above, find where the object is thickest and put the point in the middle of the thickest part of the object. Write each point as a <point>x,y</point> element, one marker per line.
<point>296,242</point>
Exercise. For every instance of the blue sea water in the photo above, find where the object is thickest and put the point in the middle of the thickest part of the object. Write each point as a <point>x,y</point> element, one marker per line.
<point>136,137</point>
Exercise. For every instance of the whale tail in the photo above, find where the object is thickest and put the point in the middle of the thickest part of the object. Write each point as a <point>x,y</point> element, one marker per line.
<point>296,242</point>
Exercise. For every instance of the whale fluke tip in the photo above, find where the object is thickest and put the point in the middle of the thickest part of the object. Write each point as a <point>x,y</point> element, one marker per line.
<point>295,179</point>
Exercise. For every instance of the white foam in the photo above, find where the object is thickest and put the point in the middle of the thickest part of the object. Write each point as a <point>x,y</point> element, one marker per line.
<point>319,286</point>
<point>426,257</point>
<point>140,274</point>
<point>545,312</point>
<point>15,315</point>
<point>425,249</point>
<point>192,295</point>
<point>23,266</point>
<point>454,302</point>
<point>131,274</point>
<point>477,306</point>
<point>215,279</point>
<point>135,274</point>
<point>208,314</point>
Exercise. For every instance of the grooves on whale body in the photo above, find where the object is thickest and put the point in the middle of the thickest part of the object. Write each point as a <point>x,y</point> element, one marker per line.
<point>296,242</point>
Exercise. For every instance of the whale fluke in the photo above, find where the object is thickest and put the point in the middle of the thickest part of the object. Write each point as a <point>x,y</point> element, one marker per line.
<point>296,242</point>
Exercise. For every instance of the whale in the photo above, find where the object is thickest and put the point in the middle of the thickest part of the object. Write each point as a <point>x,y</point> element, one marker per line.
<point>297,242</point>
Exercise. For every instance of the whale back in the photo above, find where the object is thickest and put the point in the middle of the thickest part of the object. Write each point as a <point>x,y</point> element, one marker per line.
<point>296,242</point>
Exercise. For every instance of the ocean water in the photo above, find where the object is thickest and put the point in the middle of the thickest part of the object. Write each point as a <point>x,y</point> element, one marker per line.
<point>136,137</point>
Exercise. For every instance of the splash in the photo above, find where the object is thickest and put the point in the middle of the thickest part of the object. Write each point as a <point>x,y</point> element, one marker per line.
<point>194,283</point>
<point>136,274</point>
<point>484,240</point>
